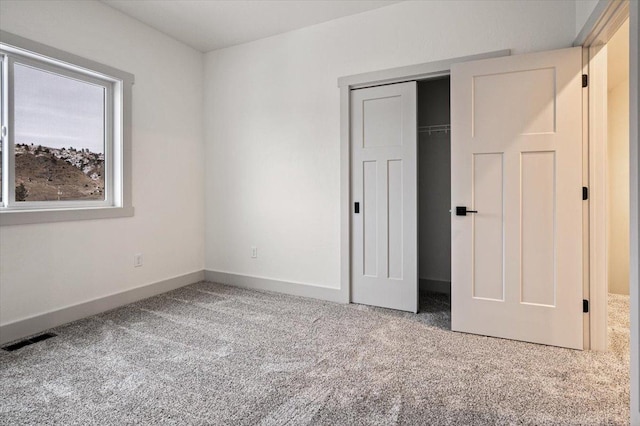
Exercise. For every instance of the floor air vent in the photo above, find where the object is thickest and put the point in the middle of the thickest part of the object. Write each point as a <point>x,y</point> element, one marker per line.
<point>27,342</point>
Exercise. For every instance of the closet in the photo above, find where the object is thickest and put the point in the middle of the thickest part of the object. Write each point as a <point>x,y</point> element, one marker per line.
<point>434,186</point>
<point>472,186</point>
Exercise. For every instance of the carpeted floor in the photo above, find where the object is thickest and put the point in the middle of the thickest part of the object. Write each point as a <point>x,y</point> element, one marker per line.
<point>212,354</point>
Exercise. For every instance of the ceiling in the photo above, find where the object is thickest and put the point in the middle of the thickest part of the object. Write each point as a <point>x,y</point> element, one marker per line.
<point>213,24</point>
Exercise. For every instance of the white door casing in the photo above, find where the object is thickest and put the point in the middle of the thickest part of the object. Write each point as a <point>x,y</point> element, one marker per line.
<point>384,184</point>
<point>516,155</point>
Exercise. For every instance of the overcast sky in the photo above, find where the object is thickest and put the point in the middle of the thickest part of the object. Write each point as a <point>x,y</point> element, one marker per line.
<point>56,111</point>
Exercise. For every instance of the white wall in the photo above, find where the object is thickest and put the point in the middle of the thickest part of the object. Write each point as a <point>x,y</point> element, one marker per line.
<point>46,267</point>
<point>618,187</point>
<point>618,161</point>
<point>583,11</point>
<point>272,121</point>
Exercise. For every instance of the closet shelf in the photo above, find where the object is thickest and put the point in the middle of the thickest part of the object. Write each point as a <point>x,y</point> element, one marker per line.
<point>436,128</point>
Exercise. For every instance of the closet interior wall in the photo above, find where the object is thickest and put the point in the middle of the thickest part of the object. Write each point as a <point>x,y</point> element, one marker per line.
<point>434,186</point>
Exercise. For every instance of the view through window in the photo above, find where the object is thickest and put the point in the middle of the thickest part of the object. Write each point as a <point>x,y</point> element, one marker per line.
<point>59,137</point>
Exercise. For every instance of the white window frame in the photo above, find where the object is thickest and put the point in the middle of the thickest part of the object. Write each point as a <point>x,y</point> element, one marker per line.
<point>117,120</point>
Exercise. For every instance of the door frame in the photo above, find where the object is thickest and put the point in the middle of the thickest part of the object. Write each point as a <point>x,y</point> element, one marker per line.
<point>369,79</point>
<point>601,21</point>
<point>606,19</point>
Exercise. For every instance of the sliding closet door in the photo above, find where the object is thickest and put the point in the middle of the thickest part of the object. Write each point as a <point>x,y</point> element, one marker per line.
<point>384,194</point>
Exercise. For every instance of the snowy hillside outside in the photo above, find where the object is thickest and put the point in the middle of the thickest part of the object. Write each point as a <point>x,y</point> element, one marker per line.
<point>49,174</point>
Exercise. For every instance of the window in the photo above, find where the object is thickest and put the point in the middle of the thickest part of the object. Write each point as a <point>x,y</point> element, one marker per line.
<point>65,136</point>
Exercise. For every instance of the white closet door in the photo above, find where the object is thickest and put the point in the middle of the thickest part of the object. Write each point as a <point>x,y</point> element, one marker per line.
<point>517,159</point>
<point>384,181</point>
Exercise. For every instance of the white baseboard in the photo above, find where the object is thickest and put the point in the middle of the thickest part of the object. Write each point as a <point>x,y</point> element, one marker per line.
<point>26,327</point>
<point>36,324</point>
<point>287,287</point>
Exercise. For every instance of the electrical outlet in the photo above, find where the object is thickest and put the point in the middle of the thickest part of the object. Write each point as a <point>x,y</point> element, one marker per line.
<point>137,260</point>
<point>254,252</point>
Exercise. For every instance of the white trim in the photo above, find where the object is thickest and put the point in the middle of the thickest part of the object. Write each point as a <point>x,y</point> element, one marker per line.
<point>412,72</point>
<point>27,217</point>
<point>634,187</point>
<point>109,86</point>
<point>345,195</point>
<point>591,23</point>
<point>598,197</point>
<point>604,21</point>
<point>35,324</point>
<point>586,289</point>
<point>46,53</point>
<point>118,174</point>
<point>369,79</point>
<point>613,13</point>
<point>608,23</point>
<point>4,135</point>
<point>278,286</point>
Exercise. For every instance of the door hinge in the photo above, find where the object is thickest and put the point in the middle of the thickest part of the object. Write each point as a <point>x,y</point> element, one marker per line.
<point>585,80</point>
<point>585,193</point>
<point>585,306</point>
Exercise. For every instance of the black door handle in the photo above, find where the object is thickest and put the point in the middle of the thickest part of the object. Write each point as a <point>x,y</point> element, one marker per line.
<point>356,208</point>
<point>462,211</point>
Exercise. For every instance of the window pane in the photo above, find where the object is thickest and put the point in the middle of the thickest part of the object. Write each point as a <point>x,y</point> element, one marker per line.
<point>59,137</point>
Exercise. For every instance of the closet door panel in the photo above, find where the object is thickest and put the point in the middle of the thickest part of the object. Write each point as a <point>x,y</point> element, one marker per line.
<point>384,186</point>
<point>488,233</point>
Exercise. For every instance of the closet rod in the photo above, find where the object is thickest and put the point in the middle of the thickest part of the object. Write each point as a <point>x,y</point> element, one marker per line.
<point>436,128</point>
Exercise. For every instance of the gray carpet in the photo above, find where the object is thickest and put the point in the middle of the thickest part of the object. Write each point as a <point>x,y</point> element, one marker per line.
<point>212,354</point>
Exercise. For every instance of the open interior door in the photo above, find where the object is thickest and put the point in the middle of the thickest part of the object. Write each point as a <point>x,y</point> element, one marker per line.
<point>516,166</point>
<point>384,192</point>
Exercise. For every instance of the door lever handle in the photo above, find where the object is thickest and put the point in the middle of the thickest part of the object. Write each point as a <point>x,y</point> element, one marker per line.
<point>462,211</point>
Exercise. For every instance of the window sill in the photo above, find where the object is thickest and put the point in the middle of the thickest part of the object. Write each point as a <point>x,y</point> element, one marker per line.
<point>26,217</point>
